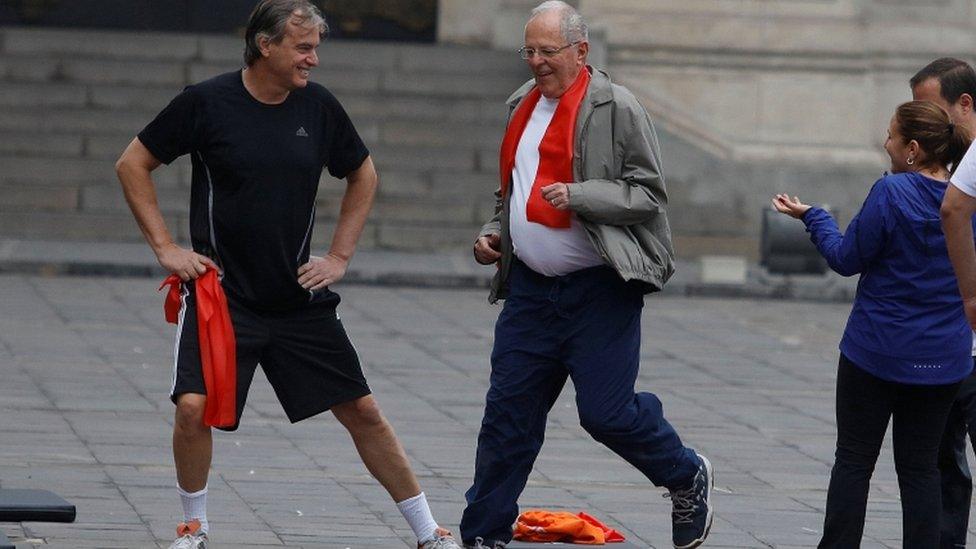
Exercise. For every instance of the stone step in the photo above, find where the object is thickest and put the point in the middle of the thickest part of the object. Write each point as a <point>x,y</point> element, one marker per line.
<point>175,75</point>
<point>405,234</point>
<point>103,43</point>
<point>145,101</point>
<point>417,237</point>
<point>176,47</point>
<point>50,170</point>
<point>98,153</point>
<point>103,121</point>
<point>50,225</point>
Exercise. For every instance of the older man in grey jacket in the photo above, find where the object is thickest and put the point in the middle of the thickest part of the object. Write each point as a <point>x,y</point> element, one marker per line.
<point>579,236</point>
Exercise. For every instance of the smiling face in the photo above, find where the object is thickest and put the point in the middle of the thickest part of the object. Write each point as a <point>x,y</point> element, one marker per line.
<point>553,75</point>
<point>290,61</point>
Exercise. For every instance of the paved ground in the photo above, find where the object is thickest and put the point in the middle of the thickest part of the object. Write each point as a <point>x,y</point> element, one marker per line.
<point>85,365</point>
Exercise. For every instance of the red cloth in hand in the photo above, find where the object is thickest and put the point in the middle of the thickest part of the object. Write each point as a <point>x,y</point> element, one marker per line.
<point>538,525</point>
<point>218,347</point>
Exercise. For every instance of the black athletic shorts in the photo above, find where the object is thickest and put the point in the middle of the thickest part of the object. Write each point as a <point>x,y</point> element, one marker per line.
<point>305,354</point>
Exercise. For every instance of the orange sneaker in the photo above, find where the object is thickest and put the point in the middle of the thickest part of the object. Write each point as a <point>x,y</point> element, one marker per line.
<point>189,536</point>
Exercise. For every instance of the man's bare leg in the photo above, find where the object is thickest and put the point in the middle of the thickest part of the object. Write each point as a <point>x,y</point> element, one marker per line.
<point>378,446</point>
<point>385,459</point>
<point>192,453</point>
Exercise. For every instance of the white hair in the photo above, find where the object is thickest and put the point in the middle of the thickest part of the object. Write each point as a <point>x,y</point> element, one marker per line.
<point>570,22</point>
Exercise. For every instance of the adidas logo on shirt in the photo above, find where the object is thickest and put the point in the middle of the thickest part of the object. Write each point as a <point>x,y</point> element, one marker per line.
<point>301,132</point>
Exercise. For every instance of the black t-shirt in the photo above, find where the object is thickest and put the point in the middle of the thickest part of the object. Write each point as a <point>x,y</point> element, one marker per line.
<point>256,170</point>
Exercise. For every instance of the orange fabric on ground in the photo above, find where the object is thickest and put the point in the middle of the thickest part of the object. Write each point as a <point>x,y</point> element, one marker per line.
<point>538,525</point>
<point>218,347</point>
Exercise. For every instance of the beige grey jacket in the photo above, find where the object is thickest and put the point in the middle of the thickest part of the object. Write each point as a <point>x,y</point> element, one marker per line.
<point>619,192</point>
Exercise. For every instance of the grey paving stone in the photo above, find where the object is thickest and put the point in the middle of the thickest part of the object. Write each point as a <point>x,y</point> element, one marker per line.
<point>84,393</point>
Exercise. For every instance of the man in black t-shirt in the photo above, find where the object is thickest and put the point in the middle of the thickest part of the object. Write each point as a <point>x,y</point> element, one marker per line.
<point>259,139</point>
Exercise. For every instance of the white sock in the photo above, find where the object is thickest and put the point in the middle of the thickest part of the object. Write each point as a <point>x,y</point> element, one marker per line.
<point>195,507</point>
<point>418,516</point>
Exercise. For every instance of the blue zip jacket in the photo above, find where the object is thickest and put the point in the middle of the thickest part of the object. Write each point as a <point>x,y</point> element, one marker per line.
<point>907,324</point>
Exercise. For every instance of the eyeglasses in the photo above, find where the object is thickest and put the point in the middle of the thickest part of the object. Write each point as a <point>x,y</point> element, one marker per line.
<point>526,52</point>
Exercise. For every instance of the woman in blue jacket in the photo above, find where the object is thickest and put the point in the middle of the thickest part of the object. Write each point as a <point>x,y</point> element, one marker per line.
<point>907,344</point>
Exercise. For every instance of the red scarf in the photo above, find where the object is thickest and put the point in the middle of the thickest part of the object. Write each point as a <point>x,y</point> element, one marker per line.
<point>218,347</point>
<point>555,150</point>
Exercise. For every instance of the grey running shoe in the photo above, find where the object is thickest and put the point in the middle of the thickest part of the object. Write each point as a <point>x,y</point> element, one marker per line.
<point>691,514</point>
<point>479,543</point>
<point>443,539</point>
<point>189,536</point>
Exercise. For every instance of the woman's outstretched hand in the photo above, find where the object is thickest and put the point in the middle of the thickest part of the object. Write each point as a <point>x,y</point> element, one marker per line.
<point>790,206</point>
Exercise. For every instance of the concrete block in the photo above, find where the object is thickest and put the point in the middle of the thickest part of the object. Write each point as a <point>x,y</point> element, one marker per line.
<point>325,228</point>
<point>31,69</point>
<point>73,120</point>
<point>107,147</point>
<point>466,22</point>
<point>402,183</point>
<point>429,238</point>
<point>124,71</point>
<point>409,155</point>
<point>103,43</point>
<point>432,210</point>
<point>840,101</point>
<point>222,50</point>
<point>34,95</point>
<point>688,246</point>
<point>198,72</point>
<point>40,169</point>
<point>110,199</point>
<point>723,269</point>
<point>476,186</point>
<point>491,87</point>
<point>347,79</point>
<point>141,98</point>
<point>358,54</point>
<point>386,106</point>
<point>70,226</point>
<point>441,133</point>
<point>34,197</point>
<point>459,59</point>
<point>24,143</point>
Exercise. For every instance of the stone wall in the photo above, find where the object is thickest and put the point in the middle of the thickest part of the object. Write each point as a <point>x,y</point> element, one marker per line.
<point>753,97</point>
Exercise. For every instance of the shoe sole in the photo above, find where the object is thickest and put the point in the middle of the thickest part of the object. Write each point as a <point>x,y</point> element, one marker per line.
<point>711,508</point>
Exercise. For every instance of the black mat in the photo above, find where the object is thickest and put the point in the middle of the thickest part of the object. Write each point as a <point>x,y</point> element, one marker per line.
<point>34,505</point>
<point>524,545</point>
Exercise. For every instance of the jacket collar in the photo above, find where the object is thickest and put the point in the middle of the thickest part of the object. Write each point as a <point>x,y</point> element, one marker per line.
<point>599,91</point>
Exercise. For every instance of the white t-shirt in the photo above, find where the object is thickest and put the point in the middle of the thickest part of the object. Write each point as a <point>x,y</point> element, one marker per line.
<point>964,179</point>
<point>546,250</point>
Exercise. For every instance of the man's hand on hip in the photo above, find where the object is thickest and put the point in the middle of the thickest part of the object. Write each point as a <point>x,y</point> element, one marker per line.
<point>320,272</point>
<point>487,249</point>
<point>186,264</point>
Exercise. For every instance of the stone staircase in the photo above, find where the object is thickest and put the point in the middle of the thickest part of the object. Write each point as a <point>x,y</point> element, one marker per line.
<point>70,101</point>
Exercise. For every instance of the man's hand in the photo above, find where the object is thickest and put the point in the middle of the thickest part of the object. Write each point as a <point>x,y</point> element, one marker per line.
<point>319,272</point>
<point>556,194</point>
<point>186,264</point>
<point>487,249</point>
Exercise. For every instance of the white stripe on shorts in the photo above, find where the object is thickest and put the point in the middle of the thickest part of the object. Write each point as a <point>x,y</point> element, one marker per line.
<point>184,292</point>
